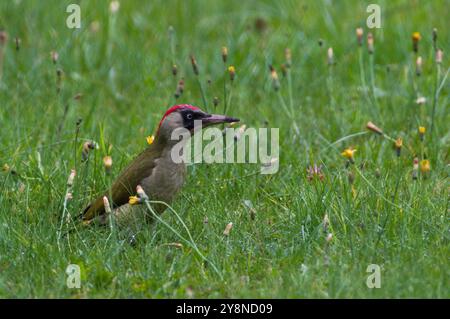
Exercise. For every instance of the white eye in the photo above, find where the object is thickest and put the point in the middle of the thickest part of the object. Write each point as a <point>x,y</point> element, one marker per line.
<point>189,116</point>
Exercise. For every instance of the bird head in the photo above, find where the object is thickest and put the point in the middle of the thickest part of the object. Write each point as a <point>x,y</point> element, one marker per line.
<point>184,116</point>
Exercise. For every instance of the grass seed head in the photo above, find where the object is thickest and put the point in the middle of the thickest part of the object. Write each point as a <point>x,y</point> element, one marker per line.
<point>180,88</point>
<point>141,193</point>
<point>227,230</point>
<point>325,222</point>
<point>54,56</point>
<point>359,35</point>
<point>68,197</point>
<point>114,6</point>
<point>194,65</point>
<point>439,56</point>
<point>288,57</point>
<point>174,70</point>
<point>419,66</point>
<point>330,56</point>
<point>275,81</point>
<point>106,204</point>
<point>415,172</point>
<point>71,178</point>
<point>17,41</point>
<point>107,163</point>
<point>372,127</point>
<point>216,101</point>
<point>434,37</point>
<point>224,54</point>
<point>370,43</point>
<point>87,147</point>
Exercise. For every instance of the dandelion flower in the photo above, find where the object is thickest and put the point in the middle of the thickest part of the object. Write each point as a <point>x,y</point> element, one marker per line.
<point>133,200</point>
<point>398,145</point>
<point>348,154</point>
<point>232,72</point>
<point>416,38</point>
<point>425,166</point>
<point>150,139</point>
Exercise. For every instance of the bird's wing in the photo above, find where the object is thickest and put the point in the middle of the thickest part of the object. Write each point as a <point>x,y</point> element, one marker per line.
<point>125,185</point>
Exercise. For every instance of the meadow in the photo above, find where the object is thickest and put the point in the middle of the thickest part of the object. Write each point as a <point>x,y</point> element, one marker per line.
<point>309,231</point>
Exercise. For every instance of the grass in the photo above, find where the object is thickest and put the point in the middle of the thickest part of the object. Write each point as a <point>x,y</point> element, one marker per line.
<point>122,65</point>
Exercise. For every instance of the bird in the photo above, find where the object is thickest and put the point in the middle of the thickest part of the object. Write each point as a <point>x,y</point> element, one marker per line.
<point>153,169</point>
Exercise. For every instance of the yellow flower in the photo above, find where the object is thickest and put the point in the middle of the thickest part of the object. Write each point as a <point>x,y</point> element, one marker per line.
<point>150,139</point>
<point>348,153</point>
<point>133,200</point>
<point>232,72</point>
<point>422,129</point>
<point>416,38</point>
<point>425,166</point>
<point>398,145</point>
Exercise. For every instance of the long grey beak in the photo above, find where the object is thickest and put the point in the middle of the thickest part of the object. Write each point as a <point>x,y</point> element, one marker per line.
<point>217,119</point>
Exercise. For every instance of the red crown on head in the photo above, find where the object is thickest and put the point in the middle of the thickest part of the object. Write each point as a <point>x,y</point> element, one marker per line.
<point>176,108</point>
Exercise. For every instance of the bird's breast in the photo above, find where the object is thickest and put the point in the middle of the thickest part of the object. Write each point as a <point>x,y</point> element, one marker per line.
<point>165,180</point>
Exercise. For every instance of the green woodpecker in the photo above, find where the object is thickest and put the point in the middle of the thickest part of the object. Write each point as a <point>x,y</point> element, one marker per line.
<point>154,169</point>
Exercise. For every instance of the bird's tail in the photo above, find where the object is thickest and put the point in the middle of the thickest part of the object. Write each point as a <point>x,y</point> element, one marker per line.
<point>93,209</point>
